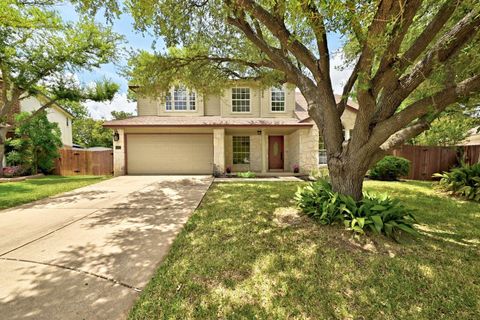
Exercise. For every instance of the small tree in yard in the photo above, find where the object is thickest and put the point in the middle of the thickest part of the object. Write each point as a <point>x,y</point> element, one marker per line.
<point>411,59</point>
<point>35,144</point>
<point>37,52</point>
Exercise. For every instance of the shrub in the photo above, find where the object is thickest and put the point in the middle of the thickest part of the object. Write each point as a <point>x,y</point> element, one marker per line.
<point>379,214</point>
<point>318,201</point>
<point>35,143</point>
<point>463,181</point>
<point>247,174</point>
<point>390,168</point>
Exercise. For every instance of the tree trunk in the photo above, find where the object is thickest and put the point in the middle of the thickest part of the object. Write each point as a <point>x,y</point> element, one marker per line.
<point>347,177</point>
<point>3,137</point>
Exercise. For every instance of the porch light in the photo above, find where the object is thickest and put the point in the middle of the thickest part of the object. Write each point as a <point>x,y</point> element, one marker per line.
<point>259,132</point>
<point>116,136</point>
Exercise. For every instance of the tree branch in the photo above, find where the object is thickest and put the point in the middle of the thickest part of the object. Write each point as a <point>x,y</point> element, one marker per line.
<point>437,102</point>
<point>404,135</point>
<point>400,29</point>
<point>317,24</point>
<point>385,77</point>
<point>278,29</point>
<point>445,48</point>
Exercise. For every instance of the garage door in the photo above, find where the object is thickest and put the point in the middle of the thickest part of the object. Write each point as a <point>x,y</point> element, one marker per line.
<point>169,154</point>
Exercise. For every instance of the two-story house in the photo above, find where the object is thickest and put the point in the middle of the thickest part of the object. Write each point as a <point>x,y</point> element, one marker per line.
<point>245,128</point>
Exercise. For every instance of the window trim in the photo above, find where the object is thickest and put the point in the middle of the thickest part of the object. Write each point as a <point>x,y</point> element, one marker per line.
<point>241,152</point>
<point>249,100</point>
<point>284,100</point>
<point>171,94</point>
<point>322,150</point>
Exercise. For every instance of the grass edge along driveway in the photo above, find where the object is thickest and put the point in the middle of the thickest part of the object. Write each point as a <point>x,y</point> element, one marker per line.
<point>245,254</point>
<point>13,194</point>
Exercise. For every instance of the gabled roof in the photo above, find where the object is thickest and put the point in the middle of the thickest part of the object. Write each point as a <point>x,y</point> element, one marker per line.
<point>207,121</point>
<point>301,106</point>
<point>48,99</point>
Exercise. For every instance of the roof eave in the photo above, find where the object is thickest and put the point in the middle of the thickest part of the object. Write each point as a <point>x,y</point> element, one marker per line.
<point>204,125</point>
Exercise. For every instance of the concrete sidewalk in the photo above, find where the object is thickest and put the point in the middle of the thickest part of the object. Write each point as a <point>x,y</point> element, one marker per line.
<point>86,254</point>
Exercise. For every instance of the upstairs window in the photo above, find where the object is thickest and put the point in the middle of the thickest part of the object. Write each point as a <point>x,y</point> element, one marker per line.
<point>277,95</point>
<point>240,99</point>
<point>183,99</point>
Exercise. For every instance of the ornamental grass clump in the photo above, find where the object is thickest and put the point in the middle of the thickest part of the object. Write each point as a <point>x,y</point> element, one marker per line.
<point>378,214</point>
<point>463,181</point>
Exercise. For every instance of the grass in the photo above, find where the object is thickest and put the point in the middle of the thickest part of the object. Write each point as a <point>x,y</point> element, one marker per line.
<point>246,254</point>
<point>16,193</point>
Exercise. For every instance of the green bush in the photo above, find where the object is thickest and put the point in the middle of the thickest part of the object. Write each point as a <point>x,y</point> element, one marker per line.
<point>381,215</point>
<point>247,174</point>
<point>463,181</point>
<point>35,143</point>
<point>390,168</point>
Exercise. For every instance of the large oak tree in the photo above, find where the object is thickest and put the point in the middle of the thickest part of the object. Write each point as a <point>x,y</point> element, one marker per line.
<point>411,59</point>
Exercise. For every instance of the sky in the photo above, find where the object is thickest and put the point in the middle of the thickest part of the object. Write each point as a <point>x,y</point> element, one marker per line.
<point>138,41</point>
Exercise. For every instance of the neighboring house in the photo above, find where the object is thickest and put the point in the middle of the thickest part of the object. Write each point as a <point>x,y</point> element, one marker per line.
<point>473,138</point>
<point>247,127</point>
<point>55,113</point>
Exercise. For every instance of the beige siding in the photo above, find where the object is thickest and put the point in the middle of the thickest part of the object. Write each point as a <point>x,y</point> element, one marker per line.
<point>212,105</point>
<point>147,106</point>
<point>54,114</point>
<point>348,119</point>
<point>169,153</point>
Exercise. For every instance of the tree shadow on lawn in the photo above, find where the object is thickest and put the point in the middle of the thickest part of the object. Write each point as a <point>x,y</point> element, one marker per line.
<point>234,259</point>
<point>121,243</point>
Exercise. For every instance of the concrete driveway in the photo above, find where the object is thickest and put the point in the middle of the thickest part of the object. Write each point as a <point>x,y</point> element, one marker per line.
<point>87,254</point>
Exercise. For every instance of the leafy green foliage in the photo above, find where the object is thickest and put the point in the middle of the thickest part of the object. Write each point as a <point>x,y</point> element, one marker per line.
<point>447,130</point>
<point>35,144</point>
<point>390,168</point>
<point>119,115</point>
<point>379,214</point>
<point>463,181</point>
<point>89,132</point>
<point>247,174</point>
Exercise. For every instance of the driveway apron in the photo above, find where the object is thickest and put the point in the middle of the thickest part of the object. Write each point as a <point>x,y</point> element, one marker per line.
<point>86,254</point>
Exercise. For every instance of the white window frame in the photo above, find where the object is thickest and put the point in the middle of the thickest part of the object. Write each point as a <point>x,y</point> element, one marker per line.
<point>322,152</point>
<point>171,99</point>
<point>272,101</point>
<point>243,149</point>
<point>242,98</point>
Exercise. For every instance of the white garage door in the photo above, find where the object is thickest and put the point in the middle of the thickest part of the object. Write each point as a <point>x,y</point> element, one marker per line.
<point>169,154</point>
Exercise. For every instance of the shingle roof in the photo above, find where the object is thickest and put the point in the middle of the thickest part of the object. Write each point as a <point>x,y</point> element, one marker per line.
<point>209,121</point>
<point>301,105</point>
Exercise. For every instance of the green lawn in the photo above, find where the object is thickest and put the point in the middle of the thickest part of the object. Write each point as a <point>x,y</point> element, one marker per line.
<point>246,254</point>
<point>15,193</point>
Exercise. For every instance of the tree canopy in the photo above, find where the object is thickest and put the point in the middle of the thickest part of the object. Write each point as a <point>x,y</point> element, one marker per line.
<point>411,59</point>
<point>39,52</point>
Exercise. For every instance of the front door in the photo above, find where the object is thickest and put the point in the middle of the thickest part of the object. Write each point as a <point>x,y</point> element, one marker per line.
<point>275,152</point>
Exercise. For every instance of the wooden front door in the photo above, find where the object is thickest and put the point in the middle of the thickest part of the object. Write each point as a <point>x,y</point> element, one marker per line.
<point>275,152</point>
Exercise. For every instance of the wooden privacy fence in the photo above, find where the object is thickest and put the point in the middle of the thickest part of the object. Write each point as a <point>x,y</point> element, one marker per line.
<point>425,161</point>
<point>84,162</point>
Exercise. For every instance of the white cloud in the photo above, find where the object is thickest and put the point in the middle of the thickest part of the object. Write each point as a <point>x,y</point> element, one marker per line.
<point>102,110</point>
<point>339,72</point>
